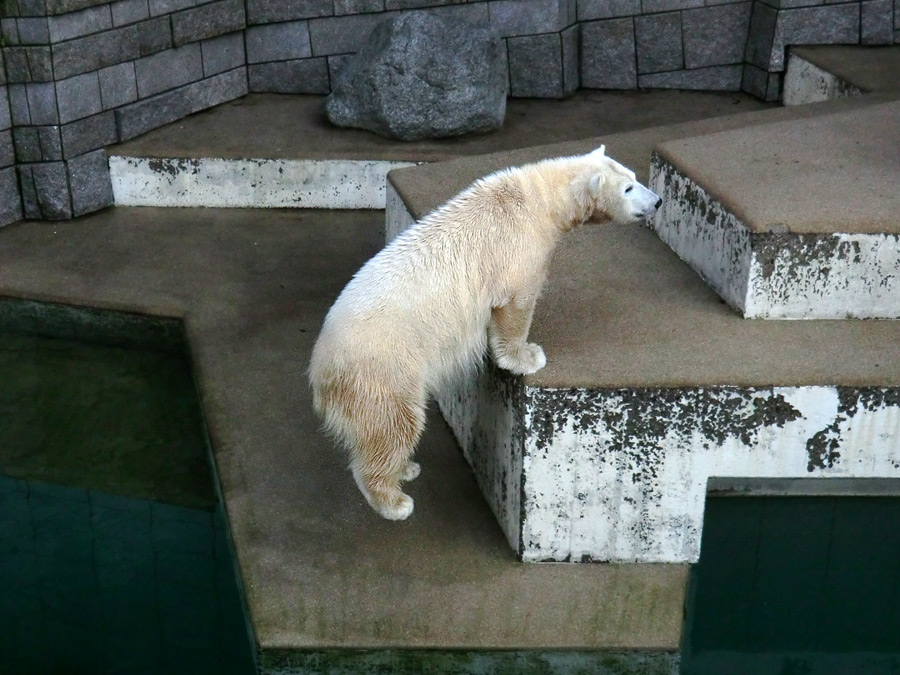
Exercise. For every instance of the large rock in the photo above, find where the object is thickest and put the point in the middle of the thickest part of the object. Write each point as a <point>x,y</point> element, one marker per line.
<point>421,76</point>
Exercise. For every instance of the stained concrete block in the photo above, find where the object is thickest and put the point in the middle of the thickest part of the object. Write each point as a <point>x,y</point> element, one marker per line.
<point>207,21</point>
<point>608,54</point>
<point>342,34</point>
<point>658,42</point>
<point>278,42</point>
<point>876,22</point>
<point>535,66</point>
<point>10,198</point>
<point>89,183</point>
<point>342,7</point>
<point>118,85</point>
<point>93,52</point>
<point>712,78</point>
<point>78,97</point>
<point>168,69</point>
<point>129,11</point>
<point>526,17</point>
<point>78,24</point>
<point>607,9</point>
<point>715,36</point>
<point>223,53</point>
<point>271,11</point>
<point>303,76</point>
<point>153,36</point>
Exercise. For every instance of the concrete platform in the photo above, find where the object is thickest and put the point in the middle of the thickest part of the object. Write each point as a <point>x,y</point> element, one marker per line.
<point>823,73</point>
<point>653,385</point>
<point>790,220</point>
<point>299,160</point>
<point>322,573</point>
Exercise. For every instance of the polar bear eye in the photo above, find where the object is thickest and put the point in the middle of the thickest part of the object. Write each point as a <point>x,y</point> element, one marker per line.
<point>629,189</point>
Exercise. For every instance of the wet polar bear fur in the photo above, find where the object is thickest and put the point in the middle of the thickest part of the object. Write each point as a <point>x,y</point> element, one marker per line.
<point>426,307</point>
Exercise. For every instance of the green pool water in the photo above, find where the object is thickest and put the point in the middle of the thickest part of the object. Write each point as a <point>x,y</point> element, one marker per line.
<point>796,586</point>
<point>114,553</point>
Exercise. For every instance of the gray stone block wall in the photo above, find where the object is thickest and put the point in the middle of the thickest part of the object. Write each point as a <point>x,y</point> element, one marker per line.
<point>83,75</point>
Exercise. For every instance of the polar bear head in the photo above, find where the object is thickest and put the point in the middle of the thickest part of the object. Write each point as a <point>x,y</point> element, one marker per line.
<point>613,192</point>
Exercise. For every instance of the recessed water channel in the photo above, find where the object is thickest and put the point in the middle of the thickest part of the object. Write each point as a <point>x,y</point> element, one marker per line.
<point>114,551</point>
<point>796,586</point>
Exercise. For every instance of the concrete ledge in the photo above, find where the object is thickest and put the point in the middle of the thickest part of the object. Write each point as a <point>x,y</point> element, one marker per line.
<point>805,82</point>
<point>792,220</point>
<point>250,183</point>
<point>829,72</point>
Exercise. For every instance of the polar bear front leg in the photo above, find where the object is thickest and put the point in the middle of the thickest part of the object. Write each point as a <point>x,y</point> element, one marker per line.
<point>508,332</point>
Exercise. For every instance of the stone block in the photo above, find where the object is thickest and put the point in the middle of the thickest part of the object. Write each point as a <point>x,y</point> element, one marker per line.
<point>222,53</point>
<point>18,104</point>
<point>342,7</point>
<point>52,7</point>
<point>571,48</point>
<point>218,89</point>
<point>713,78</point>
<point>45,191</point>
<point>896,14</point>
<point>161,7</point>
<point>90,183</point>
<point>336,65</point>
<point>790,4</point>
<point>760,83</point>
<point>271,11</point>
<point>526,17</point>
<point>7,151</point>
<point>27,144</point>
<point>303,76</point>
<point>10,199</point>
<point>607,9</point>
<point>876,19</point>
<point>118,85</point>
<point>827,25</point>
<point>40,64</point>
<point>715,36</point>
<point>2,69</point>
<point>341,34</point>
<point>42,107</point>
<point>658,42</point>
<point>5,116</point>
<point>535,66</point>
<point>78,97</point>
<point>125,12</point>
<point>608,54</point>
<point>656,6</point>
<point>9,31</point>
<point>88,134</point>
<point>33,31</point>
<point>417,4</point>
<point>17,69</point>
<point>278,42</point>
<point>207,21</point>
<point>94,52</point>
<point>168,69</point>
<point>761,35</point>
<point>50,141</point>
<point>153,36</point>
<point>78,24</point>
<point>475,12</point>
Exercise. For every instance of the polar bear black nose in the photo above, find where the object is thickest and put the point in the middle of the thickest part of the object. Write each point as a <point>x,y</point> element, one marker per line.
<point>659,202</point>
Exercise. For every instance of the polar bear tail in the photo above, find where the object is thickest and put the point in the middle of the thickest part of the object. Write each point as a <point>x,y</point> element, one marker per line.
<point>380,427</point>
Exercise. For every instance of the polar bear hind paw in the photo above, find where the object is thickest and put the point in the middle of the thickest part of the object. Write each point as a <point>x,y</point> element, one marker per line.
<point>411,471</point>
<point>527,359</point>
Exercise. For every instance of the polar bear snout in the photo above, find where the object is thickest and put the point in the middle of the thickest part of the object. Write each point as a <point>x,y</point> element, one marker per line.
<point>644,201</point>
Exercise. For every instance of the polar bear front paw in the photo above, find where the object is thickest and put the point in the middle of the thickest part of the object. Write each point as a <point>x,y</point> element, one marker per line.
<point>528,358</point>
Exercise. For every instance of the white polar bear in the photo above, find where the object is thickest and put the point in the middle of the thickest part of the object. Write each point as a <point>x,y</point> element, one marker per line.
<point>426,307</point>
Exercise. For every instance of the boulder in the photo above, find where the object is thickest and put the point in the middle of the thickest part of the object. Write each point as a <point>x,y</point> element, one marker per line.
<point>423,76</point>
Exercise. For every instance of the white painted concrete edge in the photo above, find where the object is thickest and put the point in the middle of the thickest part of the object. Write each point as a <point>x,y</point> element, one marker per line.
<point>250,183</point>
<point>805,82</point>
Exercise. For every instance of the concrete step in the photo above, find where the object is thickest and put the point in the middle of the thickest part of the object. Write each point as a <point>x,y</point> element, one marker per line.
<point>653,385</point>
<point>329,585</point>
<point>271,151</point>
<point>796,219</point>
<point>823,73</point>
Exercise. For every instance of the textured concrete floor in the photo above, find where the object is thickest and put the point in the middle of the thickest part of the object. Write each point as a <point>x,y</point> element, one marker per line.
<point>320,569</point>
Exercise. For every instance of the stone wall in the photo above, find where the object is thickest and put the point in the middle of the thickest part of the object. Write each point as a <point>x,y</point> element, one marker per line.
<point>84,74</point>
<point>80,75</point>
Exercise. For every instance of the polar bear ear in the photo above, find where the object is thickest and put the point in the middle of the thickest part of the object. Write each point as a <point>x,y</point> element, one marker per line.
<point>595,183</point>
<point>599,152</point>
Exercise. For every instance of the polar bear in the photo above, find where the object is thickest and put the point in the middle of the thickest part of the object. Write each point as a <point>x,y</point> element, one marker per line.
<point>425,308</point>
